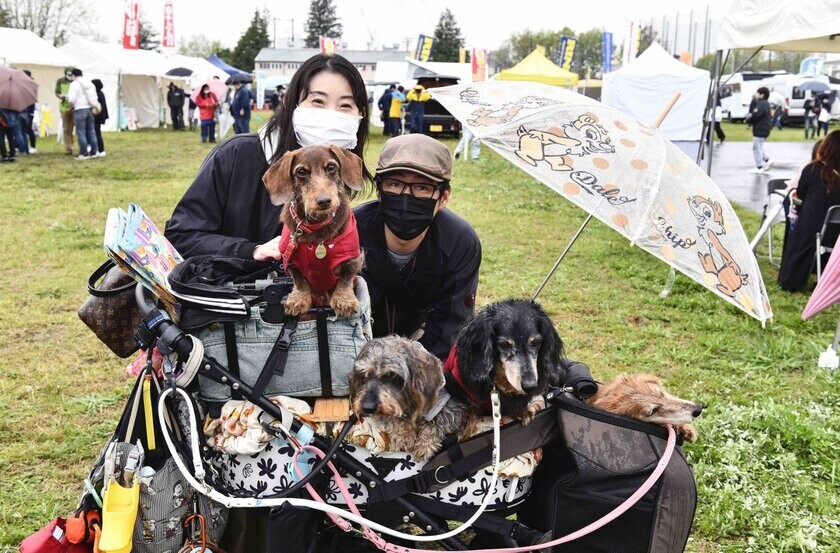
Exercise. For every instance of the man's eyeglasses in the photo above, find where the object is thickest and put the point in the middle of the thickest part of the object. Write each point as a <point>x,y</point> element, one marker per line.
<point>422,190</point>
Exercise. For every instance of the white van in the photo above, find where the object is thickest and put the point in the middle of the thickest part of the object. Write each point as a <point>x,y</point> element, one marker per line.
<point>736,92</point>
<point>789,87</point>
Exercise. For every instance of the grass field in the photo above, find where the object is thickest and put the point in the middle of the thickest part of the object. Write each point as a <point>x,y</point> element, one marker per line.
<point>766,462</point>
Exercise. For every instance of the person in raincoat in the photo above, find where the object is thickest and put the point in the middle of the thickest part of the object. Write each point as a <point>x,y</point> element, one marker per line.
<point>417,98</point>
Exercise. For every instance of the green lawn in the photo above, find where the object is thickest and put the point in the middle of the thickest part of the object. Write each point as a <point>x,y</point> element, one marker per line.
<point>767,459</point>
<point>740,132</point>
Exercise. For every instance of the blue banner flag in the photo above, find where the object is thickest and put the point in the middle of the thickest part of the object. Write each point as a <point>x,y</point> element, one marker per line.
<point>606,46</point>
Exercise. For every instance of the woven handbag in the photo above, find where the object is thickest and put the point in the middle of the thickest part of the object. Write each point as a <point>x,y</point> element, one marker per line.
<point>111,311</point>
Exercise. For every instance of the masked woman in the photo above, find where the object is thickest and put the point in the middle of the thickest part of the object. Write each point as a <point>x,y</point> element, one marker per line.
<point>421,259</point>
<point>227,211</point>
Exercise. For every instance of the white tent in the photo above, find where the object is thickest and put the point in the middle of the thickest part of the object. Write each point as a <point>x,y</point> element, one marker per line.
<point>643,87</point>
<point>24,49</point>
<point>802,26</point>
<point>202,69</point>
<point>131,79</point>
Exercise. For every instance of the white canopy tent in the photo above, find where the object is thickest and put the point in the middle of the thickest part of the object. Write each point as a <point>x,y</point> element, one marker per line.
<point>202,69</point>
<point>22,49</point>
<point>802,26</point>
<point>644,86</point>
<point>130,78</point>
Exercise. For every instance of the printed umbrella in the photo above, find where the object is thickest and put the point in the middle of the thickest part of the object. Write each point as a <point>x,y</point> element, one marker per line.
<point>17,89</point>
<point>827,292</point>
<point>621,171</point>
<point>217,87</point>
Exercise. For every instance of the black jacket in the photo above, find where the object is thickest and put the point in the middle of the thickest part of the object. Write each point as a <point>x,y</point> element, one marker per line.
<point>437,287</point>
<point>226,210</point>
<point>800,244</point>
<point>760,119</point>
<point>175,97</point>
<point>100,97</point>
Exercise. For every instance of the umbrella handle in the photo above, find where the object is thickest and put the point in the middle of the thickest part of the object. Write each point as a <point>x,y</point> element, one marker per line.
<point>667,109</point>
<point>559,259</point>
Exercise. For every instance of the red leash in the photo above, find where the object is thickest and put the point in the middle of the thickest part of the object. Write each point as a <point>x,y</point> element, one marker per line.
<point>383,545</point>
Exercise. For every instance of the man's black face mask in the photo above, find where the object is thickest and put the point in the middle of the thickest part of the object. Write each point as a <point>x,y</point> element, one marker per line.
<point>405,215</point>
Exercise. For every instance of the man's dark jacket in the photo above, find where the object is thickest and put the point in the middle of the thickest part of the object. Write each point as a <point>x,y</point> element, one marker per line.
<point>175,97</point>
<point>760,119</point>
<point>227,210</point>
<point>437,287</point>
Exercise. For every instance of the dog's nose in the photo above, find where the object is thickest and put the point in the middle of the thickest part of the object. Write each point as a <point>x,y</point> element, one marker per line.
<point>697,410</point>
<point>369,407</point>
<point>324,201</point>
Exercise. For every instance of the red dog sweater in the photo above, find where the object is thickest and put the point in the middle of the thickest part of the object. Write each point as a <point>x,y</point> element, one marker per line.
<point>320,273</point>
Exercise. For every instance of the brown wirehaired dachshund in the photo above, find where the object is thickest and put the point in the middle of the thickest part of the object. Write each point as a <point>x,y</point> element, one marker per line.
<point>319,244</point>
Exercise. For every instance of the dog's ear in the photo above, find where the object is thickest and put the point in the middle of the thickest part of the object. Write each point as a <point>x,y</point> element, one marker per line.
<point>351,167</point>
<point>278,179</point>
<point>425,383</point>
<point>551,351</point>
<point>476,359</point>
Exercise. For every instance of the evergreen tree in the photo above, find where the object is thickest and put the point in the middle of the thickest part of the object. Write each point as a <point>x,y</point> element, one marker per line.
<point>149,37</point>
<point>254,39</point>
<point>448,39</point>
<point>322,21</point>
<point>647,36</point>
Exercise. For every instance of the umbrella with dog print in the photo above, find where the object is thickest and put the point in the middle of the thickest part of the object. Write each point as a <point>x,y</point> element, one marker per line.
<point>621,171</point>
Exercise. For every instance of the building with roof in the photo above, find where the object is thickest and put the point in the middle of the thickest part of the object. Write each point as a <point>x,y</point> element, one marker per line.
<point>285,61</point>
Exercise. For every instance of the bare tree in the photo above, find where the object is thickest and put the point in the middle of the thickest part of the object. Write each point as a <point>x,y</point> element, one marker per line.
<point>52,20</point>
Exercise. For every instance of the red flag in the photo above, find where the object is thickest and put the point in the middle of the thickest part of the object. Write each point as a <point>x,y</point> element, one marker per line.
<point>479,64</point>
<point>168,25</point>
<point>131,26</point>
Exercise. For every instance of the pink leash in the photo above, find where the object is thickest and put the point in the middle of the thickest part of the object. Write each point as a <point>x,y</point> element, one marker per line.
<point>383,545</point>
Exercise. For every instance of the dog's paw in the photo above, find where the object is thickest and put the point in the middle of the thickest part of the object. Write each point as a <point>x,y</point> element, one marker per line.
<point>687,432</point>
<point>298,303</point>
<point>535,405</point>
<point>344,304</point>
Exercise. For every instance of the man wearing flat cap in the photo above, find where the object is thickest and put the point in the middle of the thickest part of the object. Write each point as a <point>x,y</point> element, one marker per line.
<point>421,259</point>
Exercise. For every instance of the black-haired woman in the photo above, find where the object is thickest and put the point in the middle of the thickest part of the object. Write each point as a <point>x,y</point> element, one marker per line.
<point>227,210</point>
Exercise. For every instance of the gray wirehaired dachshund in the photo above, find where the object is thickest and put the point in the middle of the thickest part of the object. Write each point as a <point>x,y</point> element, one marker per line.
<point>398,387</point>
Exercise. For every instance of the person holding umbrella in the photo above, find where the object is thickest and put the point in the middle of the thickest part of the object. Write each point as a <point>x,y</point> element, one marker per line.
<point>17,92</point>
<point>207,102</point>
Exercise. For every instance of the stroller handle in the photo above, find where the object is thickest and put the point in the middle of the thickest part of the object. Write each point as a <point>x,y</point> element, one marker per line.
<point>157,323</point>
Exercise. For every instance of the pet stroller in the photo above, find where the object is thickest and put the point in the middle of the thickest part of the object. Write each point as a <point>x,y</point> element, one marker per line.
<point>226,305</point>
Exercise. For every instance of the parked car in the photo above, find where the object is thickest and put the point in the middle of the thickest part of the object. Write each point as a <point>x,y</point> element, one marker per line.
<point>437,121</point>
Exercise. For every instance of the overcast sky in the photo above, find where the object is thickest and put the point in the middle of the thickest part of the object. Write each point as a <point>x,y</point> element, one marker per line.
<point>484,23</point>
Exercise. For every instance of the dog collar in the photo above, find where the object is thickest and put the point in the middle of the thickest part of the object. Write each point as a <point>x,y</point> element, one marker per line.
<point>308,228</point>
<point>455,382</point>
<point>443,397</point>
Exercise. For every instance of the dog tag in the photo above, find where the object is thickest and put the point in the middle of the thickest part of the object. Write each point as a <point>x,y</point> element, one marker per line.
<point>321,251</point>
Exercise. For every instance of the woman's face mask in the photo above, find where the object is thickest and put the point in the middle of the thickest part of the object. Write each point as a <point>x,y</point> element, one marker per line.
<point>317,126</point>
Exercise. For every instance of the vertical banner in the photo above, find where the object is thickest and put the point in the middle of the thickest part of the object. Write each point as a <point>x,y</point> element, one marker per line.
<point>462,55</point>
<point>606,47</point>
<point>424,48</point>
<point>168,25</point>
<point>631,43</point>
<point>328,45</point>
<point>131,25</point>
<point>478,58</point>
<point>567,52</point>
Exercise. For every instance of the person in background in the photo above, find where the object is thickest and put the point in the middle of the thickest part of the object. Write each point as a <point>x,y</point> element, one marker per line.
<point>28,127</point>
<point>421,259</point>
<point>395,111</point>
<point>175,100</point>
<point>777,104</point>
<point>718,118</point>
<point>759,120</point>
<point>206,102</point>
<point>191,113</point>
<point>62,88</point>
<point>7,134</point>
<point>384,105</point>
<point>818,189</point>
<point>276,97</point>
<point>468,139</point>
<point>417,98</point>
<point>811,107</point>
<point>100,118</point>
<point>81,96</point>
<point>240,108</point>
<point>824,115</point>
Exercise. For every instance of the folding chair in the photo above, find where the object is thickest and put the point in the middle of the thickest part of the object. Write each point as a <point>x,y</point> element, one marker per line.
<point>775,187</point>
<point>831,218</point>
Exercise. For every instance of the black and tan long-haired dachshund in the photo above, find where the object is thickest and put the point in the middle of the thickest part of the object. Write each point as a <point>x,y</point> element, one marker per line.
<point>512,344</point>
<point>320,244</point>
